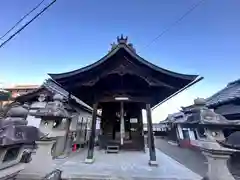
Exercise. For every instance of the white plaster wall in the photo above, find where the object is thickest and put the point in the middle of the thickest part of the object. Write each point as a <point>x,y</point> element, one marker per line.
<point>83,123</point>
<point>33,121</point>
<point>191,134</point>
<point>179,128</point>
<point>74,121</point>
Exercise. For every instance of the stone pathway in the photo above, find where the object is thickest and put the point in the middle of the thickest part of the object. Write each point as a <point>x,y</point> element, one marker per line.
<point>124,165</point>
<point>192,159</point>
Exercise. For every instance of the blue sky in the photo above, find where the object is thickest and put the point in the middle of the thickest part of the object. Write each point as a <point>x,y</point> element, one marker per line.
<point>75,33</point>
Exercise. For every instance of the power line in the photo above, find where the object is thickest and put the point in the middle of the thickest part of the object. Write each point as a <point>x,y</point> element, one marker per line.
<point>23,27</point>
<point>18,22</point>
<point>175,23</point>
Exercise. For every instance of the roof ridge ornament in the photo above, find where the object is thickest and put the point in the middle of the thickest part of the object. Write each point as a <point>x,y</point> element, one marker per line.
<point>122,40</point>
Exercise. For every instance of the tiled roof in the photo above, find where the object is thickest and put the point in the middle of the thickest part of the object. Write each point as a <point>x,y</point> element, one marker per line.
<point>228,109</point>
<point>54,88</point>
<point>23,87</point>
<point>232,141</point>
<point>50,85</point>
<point>229,93</point>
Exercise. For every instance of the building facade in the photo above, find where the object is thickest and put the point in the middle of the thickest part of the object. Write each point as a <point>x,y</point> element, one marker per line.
<point>20,89</point>
<point>15,91</point>
<point>121,84</point>
<point>73,132</point>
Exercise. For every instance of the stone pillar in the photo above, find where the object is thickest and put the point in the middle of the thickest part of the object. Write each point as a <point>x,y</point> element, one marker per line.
<point>90,158</point>
<point>217,165</point>
<point>122,124</point>
<point>41,163</point>
<point>151,145</point>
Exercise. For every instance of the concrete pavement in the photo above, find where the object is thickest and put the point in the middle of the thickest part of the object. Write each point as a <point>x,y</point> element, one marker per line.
<point>124,165</point>
<point>193,160</point>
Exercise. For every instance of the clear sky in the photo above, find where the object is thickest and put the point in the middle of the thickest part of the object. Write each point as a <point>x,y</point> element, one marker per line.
<point>75,33</point>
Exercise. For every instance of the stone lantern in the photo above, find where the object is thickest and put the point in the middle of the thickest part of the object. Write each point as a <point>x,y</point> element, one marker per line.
<point>54,118</point>
<point>54,127</point>
<point>213,125</point>
<point>17,141</point>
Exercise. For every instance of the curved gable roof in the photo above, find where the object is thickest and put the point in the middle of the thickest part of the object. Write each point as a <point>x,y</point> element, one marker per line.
<point>131,53</point>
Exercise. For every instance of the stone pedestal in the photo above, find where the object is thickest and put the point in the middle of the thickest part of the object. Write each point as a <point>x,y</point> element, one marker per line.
<point>41,163</point>
<point>217,164</point>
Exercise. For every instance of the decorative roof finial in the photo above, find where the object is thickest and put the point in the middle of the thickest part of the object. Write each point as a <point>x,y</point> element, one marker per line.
<point>113,45</point>
<point>131,47</point>
<point>122,40</point>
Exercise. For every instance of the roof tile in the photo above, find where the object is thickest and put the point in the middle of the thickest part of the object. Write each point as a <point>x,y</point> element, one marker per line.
<point>229,93</point>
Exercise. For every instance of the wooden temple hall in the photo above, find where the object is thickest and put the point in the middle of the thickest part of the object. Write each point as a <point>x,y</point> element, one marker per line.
<point>121,84</point>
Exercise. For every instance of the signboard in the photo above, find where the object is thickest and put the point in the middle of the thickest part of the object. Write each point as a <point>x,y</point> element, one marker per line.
<point>133,120</point>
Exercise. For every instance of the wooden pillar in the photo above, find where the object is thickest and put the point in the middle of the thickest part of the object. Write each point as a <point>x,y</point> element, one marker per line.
<point>122,123</point>
<point>90,158</point>
<point>151,145</point>
<point>141,123</point>
<point>141,129</point>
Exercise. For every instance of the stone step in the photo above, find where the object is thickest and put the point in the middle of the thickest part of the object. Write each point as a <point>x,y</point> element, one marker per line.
<point>112,149</point>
